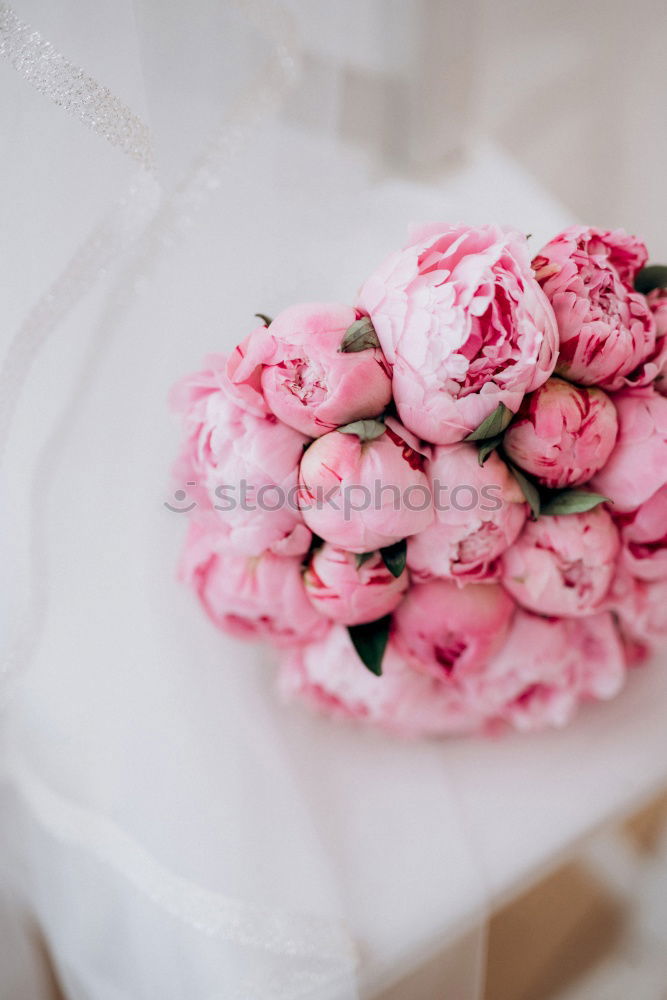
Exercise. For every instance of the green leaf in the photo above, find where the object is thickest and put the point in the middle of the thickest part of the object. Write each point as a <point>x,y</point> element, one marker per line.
<point>363,557</point>
<point>573,502</point>
<point>266,320</point>
<point>370,642</point>
<point>653,276</point>
<point>494,424</point>
<point>394,557</point>
<point>487,448</point>
<point>360,336</point>
<point>366,430</point>
<point>530,492</point>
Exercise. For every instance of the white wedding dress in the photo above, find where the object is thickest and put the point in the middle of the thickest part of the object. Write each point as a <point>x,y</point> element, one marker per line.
<point>169,829</point>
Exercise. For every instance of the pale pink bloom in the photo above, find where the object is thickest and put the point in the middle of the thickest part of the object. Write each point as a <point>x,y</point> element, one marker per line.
<point>479,512</point>
<point>606,329</point>
<point>244,462</point>
<point>547,666</point>
<point>250,596</point>
<point>466,326</point>
<point>307,381</point>
<point>345,591</point>
<point>329,676</point>
<point>640,606</point>
<point>244,372</point>
<point>365,495</point>
<point>644,538</point>
<point>563,434</point>
<point>563,565</point>
<point>637,467</point>
<point>451,631</point>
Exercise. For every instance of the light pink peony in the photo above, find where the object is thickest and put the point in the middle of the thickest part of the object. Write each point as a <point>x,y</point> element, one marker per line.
<point>345,591</point>
<point>305,378</point>
<point>637,467</point>
<point>547,666</point>
<point>563,434</point>
<point>228,445</point>
<point>563,565</point>
<point>644,538</point>
<point>250,596</point>
<point>606,329</point>
<point>451,631</point>
<point>329,676</point>
<point>640,606</point>
<point>365,495</point>
<point>479,512</point>
<point>465,325</point>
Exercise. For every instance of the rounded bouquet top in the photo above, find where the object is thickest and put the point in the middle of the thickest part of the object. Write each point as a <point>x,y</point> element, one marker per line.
<point>446,504</point>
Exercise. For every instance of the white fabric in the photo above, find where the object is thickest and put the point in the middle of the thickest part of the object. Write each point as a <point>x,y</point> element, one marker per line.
<point>173,830</point>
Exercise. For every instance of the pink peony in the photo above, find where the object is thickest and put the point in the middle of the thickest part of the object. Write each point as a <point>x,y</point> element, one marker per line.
<point>479,512</point>
<point>637,467</point>
<point>246,463</point>
<point>305,378</point>
<point>606,329</point>
<point>329,676</point>
<point>563,434</point>
<point>465,325</point>
<point>547,666</point>
<point>347,590</point>
<point>655,368</point>
<point>250,596</point>
<point>640,606</point>
<point>563,565</point>
<point>644,538</point>
<point>363,495</point>
<point>451,631</point>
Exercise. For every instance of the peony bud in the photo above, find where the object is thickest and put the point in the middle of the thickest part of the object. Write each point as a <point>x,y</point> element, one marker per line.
<point>366,489</point>
<point>250,596</point>
<point>644,538</point>
<point>637,467</point>
<point>350,589</point>
<point>308,381</point>
<point>562,565</point>
<point>606,329</point>
<point>563,434</point>
<point>450,631</point>
<point>479,512</point>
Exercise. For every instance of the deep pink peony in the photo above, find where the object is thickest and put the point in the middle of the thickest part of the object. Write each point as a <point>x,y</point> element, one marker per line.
<point>637,467</point>
<point>644,538</point>
<point>451,631</point>
<point>563,434</point>
<point>654,369</point>
<point>606,329</point>
<point>466,326</point>
<point>329,676</point>
<point>305,378</point>
<point>563,565</point>
<point>363,495</point>
<point>479,512</point>
<point>350,591</point>
<point>250,596</point>
<point>228,445</point>
<point>547,666</point>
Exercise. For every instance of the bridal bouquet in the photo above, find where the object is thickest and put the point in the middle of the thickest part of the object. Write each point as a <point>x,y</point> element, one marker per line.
<point>446,504</point>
